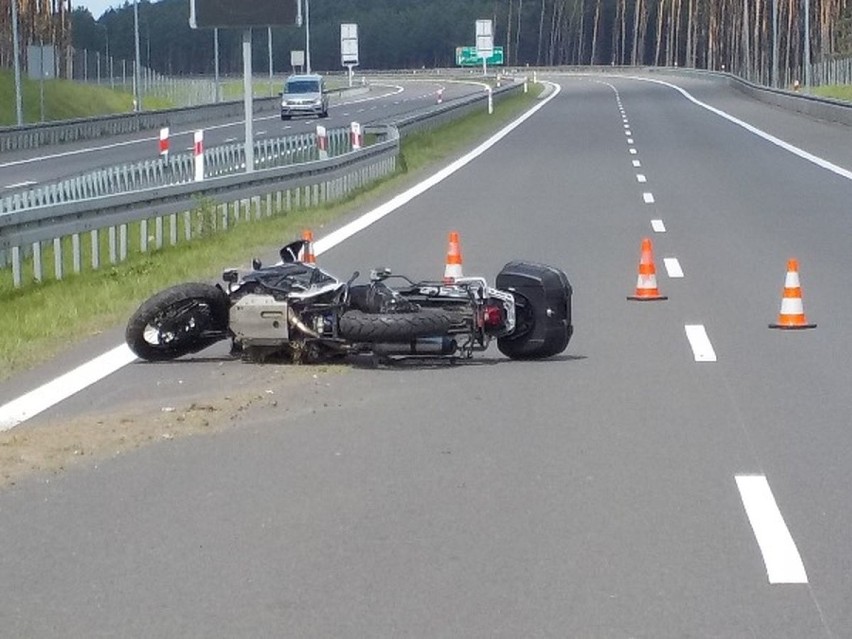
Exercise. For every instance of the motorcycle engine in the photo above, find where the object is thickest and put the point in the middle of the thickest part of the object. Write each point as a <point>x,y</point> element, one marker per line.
<point>259,320</point>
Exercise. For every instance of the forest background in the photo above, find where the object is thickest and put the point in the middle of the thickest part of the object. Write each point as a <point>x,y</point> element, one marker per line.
<point>734,35</point>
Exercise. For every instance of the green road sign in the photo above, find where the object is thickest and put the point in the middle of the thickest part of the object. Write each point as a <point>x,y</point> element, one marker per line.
<point>466,57</point>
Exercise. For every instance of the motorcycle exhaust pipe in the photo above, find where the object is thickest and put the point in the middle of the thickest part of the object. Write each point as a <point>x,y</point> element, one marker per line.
<point>296,322</point>
<point>419,346</point>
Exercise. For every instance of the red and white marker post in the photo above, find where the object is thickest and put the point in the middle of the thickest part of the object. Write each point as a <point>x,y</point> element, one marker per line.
<point>355,136</point>
<point>198,152</point>
<point>164,143</point>
<point>322,142</point>
<point>441,95</point>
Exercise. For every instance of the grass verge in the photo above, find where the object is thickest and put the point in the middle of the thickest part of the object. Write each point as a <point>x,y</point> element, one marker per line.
<point>42,319</point>
<point>836,91</point>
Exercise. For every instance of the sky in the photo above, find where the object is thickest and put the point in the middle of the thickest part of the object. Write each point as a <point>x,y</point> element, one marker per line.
<point>96,7</point>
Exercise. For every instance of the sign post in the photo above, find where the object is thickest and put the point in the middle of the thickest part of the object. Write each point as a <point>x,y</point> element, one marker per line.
<point>349,47</point>
<point>215,14</point>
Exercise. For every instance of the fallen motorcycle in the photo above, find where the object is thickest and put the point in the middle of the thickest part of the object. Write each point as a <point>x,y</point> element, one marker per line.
<point>298,312</point>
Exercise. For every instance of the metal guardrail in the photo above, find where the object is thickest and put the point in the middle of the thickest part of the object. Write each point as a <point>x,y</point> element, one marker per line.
<point>814,106</point>
<point>32,136</point>
<point>176,169</point>
<point>184,211</point>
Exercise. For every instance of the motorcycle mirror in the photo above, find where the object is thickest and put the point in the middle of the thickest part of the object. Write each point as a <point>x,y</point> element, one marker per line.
<point>290,253</point>
<point>256,264</point>
<point>380,273</point>
<point>354,277</point>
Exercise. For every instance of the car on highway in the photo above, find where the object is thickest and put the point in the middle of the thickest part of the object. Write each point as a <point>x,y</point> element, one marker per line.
<point>304,94</point>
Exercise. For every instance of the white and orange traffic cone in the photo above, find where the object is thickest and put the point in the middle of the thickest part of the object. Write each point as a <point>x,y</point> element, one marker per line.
<point>646,284</point>
<point>792,315</point>
<point>308,253</point>
<point>453,268</point>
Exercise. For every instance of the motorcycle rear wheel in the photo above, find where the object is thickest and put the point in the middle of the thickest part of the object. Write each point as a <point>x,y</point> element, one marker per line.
<point>178,321</point>
<point>393,327</point>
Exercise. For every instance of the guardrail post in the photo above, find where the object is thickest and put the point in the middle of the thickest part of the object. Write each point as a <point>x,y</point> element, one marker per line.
<point>37,270</point>
<point>96,249</point>
<point>113,246</point>
<point>16,266</point>
<point>223,215</point>
<point>76,257</point>
<point>122,242</point>
<point>143,236</point>
<point>173,234</point>
<point>57,257</point>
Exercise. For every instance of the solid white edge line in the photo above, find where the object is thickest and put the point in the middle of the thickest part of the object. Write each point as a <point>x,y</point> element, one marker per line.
<point>820,162</point>
<point>702,349</point>
<point>658,226</point>
<point>49,394</point>
<point>780,555</point>
<point>673,267</point>
<point>36,401</point>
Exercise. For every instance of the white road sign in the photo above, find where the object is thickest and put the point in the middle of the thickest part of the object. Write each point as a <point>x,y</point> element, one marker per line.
<point>484,38</point>
<point>348,44</point>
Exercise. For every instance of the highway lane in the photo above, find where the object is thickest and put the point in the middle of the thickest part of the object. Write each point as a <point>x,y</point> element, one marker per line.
<point>593,495</point>
<point>387,98</point>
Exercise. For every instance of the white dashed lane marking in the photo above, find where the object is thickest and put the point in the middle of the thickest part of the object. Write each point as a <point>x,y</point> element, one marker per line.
<point>636,164</point>
<point>780,555</point>
<point>702,349</point>
<point>673,267</point>
<point>658,226</point>
<point>641,178</point>
<point>648,197</point>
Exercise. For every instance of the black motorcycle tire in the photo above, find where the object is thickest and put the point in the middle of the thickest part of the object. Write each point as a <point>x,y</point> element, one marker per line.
<point>200,312</point>
<point>358,326</point>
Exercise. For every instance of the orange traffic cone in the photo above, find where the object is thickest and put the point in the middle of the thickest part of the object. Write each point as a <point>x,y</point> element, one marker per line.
<point>308,254</point>
<point>646,285</point>
<point>792,315</point>
<point>453,268</point>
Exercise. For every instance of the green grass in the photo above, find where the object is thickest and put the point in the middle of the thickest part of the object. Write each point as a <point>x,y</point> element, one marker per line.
<point>42,319</point>
<point>837,91</point>
<point>63,100</point>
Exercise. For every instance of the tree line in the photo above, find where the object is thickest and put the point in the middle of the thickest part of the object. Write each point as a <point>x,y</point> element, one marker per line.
<point>713,34</point>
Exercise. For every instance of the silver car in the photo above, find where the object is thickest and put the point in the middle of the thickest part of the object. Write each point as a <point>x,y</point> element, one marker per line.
<point>304,95</point>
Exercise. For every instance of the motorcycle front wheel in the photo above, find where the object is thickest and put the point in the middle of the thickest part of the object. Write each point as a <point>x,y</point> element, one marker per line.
<point>178,321</point>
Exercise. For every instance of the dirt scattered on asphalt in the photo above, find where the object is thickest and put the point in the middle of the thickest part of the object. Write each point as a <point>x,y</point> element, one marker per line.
<point>50,448</point>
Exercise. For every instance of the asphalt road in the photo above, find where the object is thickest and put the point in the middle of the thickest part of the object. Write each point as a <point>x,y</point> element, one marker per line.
<point>387,98</point>
<point>619,490</point>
